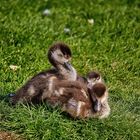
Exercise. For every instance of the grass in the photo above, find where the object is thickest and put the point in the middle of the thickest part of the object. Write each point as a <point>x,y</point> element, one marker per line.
<point>111,45</point>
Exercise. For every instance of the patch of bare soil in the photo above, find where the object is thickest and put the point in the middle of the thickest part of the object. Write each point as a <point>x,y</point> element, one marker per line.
<point>9,136</point>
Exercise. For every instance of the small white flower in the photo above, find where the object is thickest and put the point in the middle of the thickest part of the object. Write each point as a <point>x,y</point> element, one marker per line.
<point>14,67</point>
<point>66,30</point>
<point>46,12</point>
<point>91,21</point>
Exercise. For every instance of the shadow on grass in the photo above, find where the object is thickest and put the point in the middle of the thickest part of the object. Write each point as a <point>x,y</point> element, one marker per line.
<point>2,97</point>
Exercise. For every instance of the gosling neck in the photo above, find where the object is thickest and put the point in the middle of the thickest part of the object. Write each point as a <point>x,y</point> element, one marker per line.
<point>67,74</point>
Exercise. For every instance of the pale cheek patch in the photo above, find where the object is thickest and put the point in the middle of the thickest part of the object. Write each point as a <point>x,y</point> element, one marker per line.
<point>92,82</point>
<point>56,57</point>
<point>31,90</point>
<point>89,81</point>
<point>54,54</point>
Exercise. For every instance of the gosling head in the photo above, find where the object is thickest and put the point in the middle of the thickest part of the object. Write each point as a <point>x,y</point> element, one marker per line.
<point>98,95</point>
<point>93,78</point>
<point>60,54</point>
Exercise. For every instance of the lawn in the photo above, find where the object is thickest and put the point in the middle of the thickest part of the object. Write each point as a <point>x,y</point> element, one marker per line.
<point>110,45</point>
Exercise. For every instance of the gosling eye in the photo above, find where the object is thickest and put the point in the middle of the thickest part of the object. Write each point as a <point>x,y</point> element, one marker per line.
<point>60,55</point>
<point>66,56</point>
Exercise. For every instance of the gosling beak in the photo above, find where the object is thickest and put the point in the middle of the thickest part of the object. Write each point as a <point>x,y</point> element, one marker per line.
<point>97,106</point>
<point>68,66</point>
